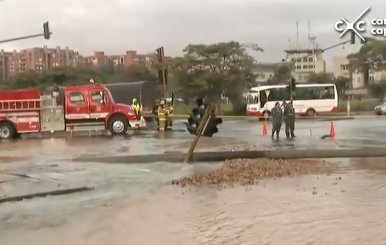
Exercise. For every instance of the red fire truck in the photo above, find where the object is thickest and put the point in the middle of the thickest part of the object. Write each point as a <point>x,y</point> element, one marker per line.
<point>75,108</point>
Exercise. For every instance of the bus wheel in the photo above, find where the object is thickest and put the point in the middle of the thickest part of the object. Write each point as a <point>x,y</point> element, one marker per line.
<point>266,114</point>
<point>118,125</point>
<point>7,130</point>
<point>311,112</point>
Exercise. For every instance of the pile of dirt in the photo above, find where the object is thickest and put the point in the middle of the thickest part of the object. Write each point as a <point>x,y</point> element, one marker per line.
<point>250,171</point>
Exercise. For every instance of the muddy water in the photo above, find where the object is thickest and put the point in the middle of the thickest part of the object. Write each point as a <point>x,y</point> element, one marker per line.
<point>304,210</point>
<point>346,207</point>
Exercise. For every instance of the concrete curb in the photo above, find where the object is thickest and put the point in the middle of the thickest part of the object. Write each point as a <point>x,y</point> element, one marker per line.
<point>226,155</point>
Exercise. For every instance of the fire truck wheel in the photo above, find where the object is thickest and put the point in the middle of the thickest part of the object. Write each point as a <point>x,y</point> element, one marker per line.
<point>118,125</point>
<point>7,130</point>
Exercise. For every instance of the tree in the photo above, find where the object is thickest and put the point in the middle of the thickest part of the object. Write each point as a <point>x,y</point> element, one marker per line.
<point>214,70</point>
<point>378,90</point>
<point>320,78</point>
<point>341,85</point>
<point>372,55</point>
<point>281,75</point>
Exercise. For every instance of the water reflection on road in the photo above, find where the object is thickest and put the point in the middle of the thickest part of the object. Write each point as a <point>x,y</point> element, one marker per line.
<point>134,203</point>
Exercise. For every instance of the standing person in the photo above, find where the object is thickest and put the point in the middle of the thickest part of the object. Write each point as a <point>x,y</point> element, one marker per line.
<point>169,114</point>
<point>161,115</point>
<point>289,119</point>
<point>277,117</point>
<point>137,108</point>
<point>155,112</point>
<point>283,104</point>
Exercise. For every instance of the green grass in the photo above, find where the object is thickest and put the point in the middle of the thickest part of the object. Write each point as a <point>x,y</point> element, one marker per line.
<point>359,105</point>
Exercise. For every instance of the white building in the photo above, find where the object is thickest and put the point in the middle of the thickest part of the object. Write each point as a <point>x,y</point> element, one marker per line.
<point>376,76</point>
<point>305,62</point>
<point>341,66</point>
<point>358,80</point>
<point>265,71</point>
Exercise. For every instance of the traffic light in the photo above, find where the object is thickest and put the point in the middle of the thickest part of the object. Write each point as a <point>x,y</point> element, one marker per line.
<point>352,40</point>
<point>160,54</point>
<point>211,128</point>
<point>195,118</point>
<point>46,30</point>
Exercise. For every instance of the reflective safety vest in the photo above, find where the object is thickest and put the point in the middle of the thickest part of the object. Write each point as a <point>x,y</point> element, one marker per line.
<point>169,110</point>
<point>136,107</point>
<point>161,111</point>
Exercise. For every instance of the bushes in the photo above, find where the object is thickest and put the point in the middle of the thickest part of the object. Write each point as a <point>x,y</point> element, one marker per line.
<point>359,105</point>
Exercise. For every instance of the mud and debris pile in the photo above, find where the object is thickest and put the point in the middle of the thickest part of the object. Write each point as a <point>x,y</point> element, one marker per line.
<point>250,171</point>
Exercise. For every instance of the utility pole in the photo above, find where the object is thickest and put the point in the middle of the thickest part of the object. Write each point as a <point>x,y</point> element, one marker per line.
<point>162,73</point>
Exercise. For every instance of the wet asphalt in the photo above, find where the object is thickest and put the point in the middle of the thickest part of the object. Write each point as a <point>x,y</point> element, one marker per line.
<point>49,165</point>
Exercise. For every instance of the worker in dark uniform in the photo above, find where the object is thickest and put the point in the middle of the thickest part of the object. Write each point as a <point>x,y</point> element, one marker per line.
<point>277,117</point>
<point>283,105</point>
<point>289,119</point>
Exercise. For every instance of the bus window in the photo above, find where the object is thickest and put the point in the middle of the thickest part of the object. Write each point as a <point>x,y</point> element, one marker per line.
<point>279,94</point>
<point>325,93</point>
<point>253,99</point>
<point>315,93</point>
<point>305,93</point>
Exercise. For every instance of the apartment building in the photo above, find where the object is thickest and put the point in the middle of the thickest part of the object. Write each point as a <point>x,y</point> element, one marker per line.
<point>36,59</point>
<point>305,62</point>
<point>4,64</point>
<point>127,59</point>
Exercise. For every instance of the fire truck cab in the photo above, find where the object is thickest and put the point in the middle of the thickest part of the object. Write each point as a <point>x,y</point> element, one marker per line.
<point>75,108</point>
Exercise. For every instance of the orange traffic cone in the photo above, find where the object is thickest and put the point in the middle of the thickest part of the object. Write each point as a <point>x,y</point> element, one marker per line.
<point>265,127</point>
<point>332,130</point>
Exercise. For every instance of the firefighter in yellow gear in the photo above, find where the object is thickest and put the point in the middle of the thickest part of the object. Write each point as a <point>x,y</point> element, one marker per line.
<point>162,115</point>
<point>169,114</point>
<point>137,108</point>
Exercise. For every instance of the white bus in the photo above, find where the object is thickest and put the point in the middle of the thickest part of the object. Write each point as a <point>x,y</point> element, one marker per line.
<point>308,99</point>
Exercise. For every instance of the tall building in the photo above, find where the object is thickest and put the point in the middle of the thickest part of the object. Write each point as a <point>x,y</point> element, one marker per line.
<point>305,62</point>
<point>341,66</point>
<point>36,59</point>
<point>4,64</point>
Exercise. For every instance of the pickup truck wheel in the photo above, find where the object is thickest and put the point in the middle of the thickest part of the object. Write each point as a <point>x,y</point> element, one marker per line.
<point>118,125</point>
<point>7,130</point>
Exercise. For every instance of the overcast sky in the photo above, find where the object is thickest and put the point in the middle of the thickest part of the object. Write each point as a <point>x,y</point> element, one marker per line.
<point>115,26</point>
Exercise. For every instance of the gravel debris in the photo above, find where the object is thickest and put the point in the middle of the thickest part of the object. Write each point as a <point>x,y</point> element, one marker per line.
<point>249,171</point>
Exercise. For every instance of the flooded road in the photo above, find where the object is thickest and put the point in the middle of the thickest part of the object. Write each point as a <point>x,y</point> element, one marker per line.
<point>135,204</point>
